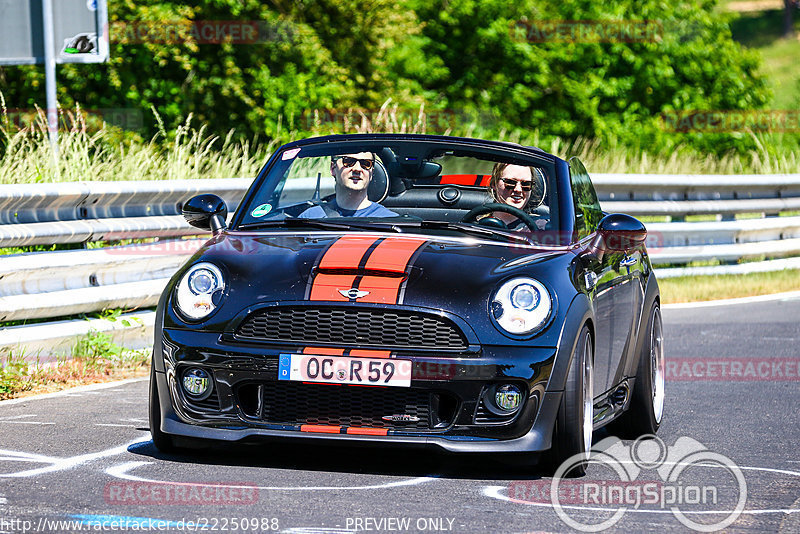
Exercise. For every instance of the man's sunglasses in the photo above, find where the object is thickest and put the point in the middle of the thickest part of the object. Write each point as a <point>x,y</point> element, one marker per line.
<point>348,161</point>
<point>511,184</point>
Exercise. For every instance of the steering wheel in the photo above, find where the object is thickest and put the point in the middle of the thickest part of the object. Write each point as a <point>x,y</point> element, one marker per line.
<point>473,214</point>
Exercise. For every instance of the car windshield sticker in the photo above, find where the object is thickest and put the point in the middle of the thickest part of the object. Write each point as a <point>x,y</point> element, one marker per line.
<point>290,154</point>
<point>261,210</point>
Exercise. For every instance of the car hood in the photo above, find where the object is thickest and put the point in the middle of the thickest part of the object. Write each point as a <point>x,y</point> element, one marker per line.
<point>451,275</point>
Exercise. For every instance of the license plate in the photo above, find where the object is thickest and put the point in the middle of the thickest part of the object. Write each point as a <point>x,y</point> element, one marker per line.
<point>345,370</point>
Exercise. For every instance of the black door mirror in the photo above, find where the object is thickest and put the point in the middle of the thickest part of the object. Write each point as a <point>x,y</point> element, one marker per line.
<point>207,212</point>
<point>621,232</point>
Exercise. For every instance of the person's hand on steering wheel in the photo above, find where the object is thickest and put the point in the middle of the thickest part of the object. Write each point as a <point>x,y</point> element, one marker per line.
<point>474,213</point>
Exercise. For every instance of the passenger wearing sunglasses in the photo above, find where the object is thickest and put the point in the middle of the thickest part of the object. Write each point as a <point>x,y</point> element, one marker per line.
<point>352,174</point>
<point>520,187</point>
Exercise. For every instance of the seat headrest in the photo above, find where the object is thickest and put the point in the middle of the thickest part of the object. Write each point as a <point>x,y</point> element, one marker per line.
<point>378,187</point>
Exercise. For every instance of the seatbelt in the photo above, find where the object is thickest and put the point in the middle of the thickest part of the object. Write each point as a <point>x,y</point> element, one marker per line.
<point>329,210</point>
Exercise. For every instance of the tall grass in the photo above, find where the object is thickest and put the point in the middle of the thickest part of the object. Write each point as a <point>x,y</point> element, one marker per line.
<point>103,152</point>
<point>107,153</point>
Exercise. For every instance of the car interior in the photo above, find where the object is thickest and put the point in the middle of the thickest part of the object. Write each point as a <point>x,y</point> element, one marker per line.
<point>442,186</point>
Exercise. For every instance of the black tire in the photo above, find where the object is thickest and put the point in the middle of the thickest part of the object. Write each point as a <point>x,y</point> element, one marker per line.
<point>573,430</point>
<point>646,408</point>
<point>163,442</point>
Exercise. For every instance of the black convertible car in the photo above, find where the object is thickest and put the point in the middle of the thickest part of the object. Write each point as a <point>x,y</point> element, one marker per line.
<point>411,289</point>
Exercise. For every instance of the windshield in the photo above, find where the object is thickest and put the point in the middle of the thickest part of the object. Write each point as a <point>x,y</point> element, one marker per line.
<point>402,185</point>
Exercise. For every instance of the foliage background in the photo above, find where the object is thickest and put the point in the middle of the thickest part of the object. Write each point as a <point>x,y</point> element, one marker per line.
<point>459,60</point>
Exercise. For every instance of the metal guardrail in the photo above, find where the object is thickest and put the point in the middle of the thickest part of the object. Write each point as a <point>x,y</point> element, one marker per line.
<point>53,284</point>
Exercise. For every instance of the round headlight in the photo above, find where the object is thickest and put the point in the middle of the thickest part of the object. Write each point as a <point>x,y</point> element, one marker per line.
<point>521,305</point>
<point>525,296</point>
<point>197,288</point>
<point>202,281</point>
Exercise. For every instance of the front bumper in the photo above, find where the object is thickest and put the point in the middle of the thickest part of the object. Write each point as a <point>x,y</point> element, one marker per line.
<point>242,373</point>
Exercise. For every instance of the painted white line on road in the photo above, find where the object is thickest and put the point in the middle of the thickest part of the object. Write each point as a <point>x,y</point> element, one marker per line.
<point>121,471</point>
<point>71,392</point>
<point>114,424</point>
<point>26,423</point>
<point>727,302</point>
<point>62,464</point>
<point>10,417</point>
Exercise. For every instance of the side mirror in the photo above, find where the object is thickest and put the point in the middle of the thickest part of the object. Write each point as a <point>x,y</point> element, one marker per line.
<point>621,232</point>
<point>207,212</point>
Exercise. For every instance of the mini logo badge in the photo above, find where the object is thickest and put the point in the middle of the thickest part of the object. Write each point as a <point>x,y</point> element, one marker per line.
<point>353,293</point>
<point>401,418</point>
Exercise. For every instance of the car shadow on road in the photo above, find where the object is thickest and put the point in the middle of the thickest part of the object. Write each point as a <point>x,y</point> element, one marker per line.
<point>354,459</point>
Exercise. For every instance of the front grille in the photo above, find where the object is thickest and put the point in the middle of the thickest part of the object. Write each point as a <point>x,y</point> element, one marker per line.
<point>322,404</point>
<point>362,327</point>
<point>209,404</point>
<point>484,417</point>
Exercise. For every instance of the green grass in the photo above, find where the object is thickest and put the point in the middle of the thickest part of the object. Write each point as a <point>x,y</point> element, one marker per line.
<point>700,288</point>
<point>763,30</point>
<point>107,154</point>
<point>95,358</point>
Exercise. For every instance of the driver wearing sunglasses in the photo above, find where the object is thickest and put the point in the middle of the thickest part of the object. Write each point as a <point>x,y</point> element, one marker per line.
<point>352,174</point>
<point>520,187</point>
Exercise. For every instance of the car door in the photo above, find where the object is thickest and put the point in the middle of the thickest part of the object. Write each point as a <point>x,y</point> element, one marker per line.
<point>613,291</point>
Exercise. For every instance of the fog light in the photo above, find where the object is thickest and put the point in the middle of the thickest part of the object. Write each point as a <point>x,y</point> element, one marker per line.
<point>196,381</point>
<point>508,397</point>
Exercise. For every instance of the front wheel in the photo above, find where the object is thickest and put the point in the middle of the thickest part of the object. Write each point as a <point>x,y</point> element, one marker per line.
<point>575,420</point>
<point>647,402</point>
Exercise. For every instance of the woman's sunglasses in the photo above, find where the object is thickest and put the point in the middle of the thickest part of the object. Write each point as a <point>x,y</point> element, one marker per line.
<point>349,161</point>
<point>511,184</point>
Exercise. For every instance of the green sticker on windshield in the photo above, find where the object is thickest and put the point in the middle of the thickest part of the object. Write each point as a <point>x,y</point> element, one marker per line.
<point>262,210</point>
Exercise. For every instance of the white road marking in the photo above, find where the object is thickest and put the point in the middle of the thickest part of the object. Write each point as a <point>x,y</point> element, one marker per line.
<point>62,464</point>
<point>10,417</point>
<point>727,302</point>
<point>496,492</point>
<point>73,391</point>
<point>114,424</point>
<point>26,423</point>
<point>121,471</point>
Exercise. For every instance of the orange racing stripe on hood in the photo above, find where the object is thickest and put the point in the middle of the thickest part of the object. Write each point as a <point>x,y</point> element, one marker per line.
<point>393,254</point>
<point>346,252</point>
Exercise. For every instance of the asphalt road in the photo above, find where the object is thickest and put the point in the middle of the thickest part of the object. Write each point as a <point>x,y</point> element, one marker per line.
<point>83,460</point>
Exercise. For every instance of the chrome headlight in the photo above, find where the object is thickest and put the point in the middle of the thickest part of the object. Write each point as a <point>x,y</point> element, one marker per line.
<point>521,305</point>
<point>200,290</point>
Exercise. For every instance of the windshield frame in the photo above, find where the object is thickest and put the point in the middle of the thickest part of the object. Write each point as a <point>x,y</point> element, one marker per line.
<point>274,170</point>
